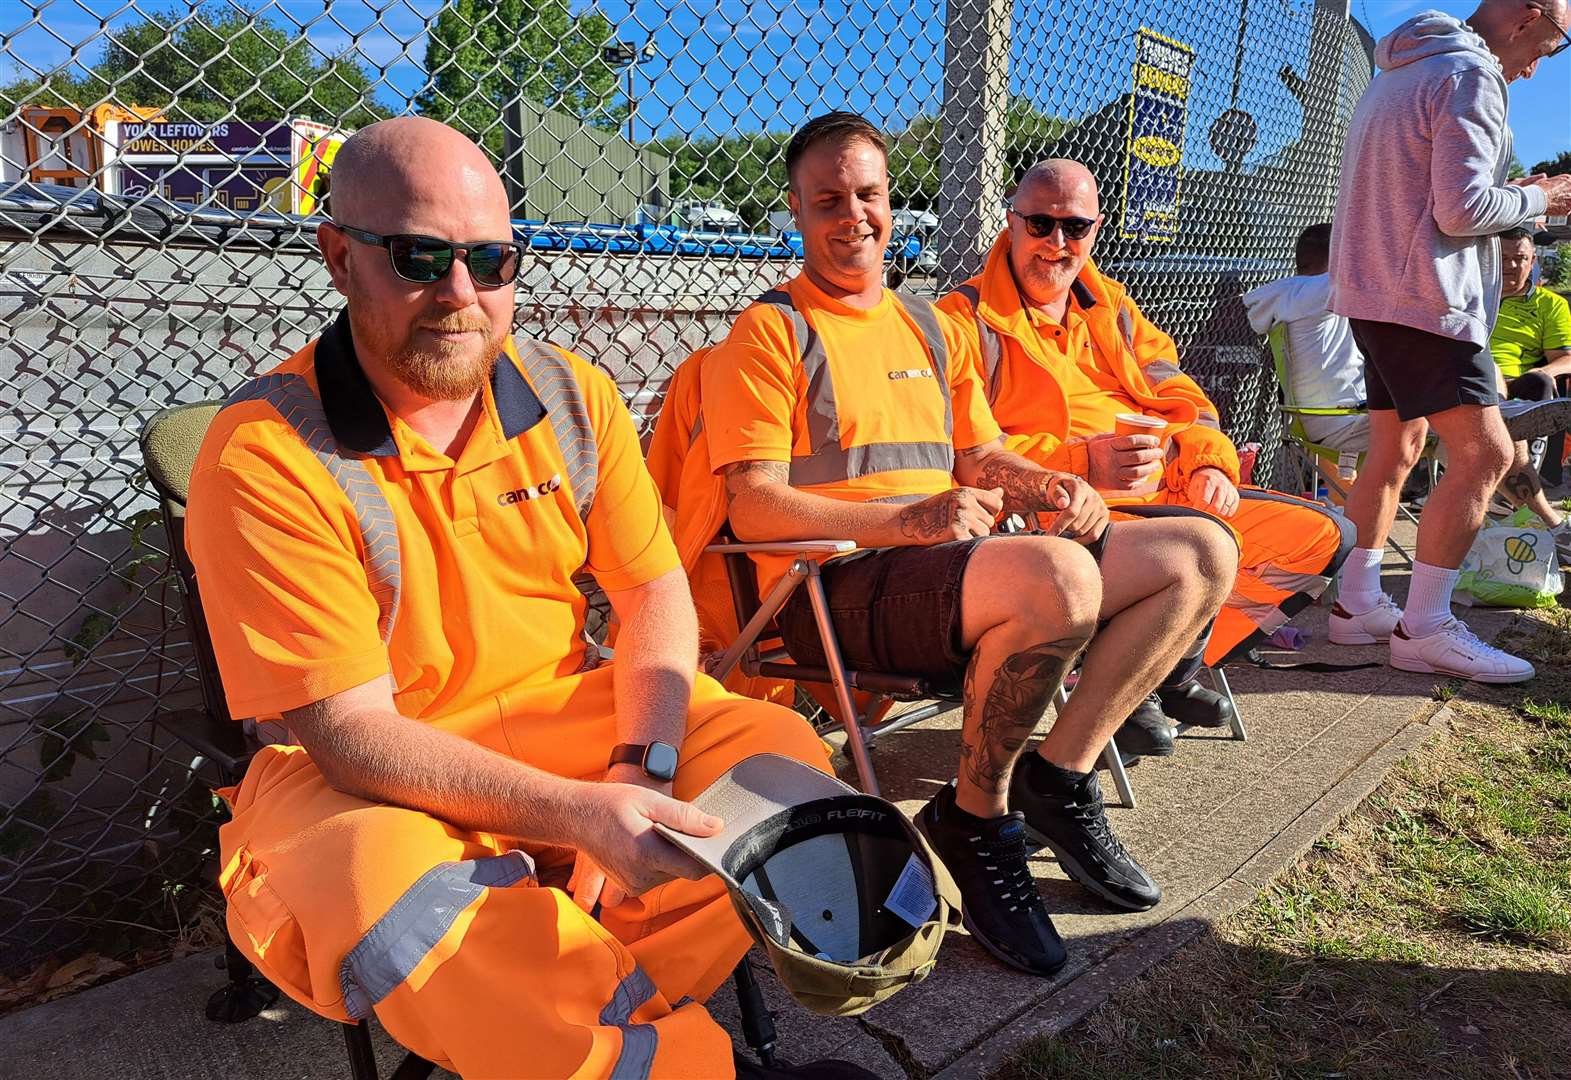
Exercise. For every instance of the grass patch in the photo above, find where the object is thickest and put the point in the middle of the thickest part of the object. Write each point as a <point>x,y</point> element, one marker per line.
<point>1427,935</point>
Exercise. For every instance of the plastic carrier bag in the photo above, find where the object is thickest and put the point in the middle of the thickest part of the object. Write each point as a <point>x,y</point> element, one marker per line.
<point>1511,565</point>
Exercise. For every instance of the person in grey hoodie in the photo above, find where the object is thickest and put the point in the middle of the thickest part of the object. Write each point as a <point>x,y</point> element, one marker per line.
<point>1416,269</point>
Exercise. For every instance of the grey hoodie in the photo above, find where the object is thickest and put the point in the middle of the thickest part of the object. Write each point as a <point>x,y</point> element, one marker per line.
<point>1422,189</point>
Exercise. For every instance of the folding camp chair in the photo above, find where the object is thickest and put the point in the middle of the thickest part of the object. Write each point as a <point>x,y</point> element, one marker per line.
<point>758,651</point>
<point>1325,462</point>
<point>170,440</point>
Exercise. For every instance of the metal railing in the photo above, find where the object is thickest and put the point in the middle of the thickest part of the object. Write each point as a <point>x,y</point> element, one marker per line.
<point>160,169</point>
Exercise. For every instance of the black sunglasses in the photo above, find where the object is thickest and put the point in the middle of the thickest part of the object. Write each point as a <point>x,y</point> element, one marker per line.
<point>425,259</point>
<point>1040,225</point>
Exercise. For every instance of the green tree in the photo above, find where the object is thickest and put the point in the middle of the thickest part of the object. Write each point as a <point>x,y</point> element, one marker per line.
<point>1555,166</point>
<point>483,54</point>
<point>1514,171</point>
<point>225,62</point>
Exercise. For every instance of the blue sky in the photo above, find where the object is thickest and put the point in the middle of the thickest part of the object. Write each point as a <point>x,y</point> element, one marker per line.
<point>741,65</point>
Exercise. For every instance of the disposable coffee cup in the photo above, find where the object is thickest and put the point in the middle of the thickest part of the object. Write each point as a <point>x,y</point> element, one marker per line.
<point>1135,424</point>
<point>1128,423</point>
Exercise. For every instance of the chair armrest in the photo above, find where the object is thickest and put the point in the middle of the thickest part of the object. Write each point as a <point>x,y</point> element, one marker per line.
<point>786,547</point>
<point>221,741</point>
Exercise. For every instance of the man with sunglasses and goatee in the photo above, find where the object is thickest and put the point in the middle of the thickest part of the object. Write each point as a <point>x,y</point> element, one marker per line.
<point>837,408</point>
<point>1065,353</point>
<point>386,528</point>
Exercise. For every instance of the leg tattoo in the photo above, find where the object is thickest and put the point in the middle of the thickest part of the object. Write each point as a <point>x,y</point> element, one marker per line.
<point>1022,687</point>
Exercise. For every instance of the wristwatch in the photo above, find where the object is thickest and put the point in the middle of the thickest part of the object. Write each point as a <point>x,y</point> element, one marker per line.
<point>657,759</point>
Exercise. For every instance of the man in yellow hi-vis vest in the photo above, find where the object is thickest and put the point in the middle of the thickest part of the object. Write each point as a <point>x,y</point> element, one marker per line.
<point>386,528</point>
<point>838,409</point>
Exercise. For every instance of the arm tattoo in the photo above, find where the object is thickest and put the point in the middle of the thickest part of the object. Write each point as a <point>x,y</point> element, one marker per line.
<point>1025,488</point>
<point>929,518</point>
<point>744,475</point>
<point>998,726</point>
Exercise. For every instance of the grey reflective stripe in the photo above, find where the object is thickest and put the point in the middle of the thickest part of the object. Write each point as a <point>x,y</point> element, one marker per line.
<point>630,993</point>
<point>552,378</point>
<point>639,1041</point>
<point>1159,371</point>
<point>990,341</point>
<point>302,410</point>
<point>827,468</point>
<point>898,499</point>
<point>828,462</point>
<point>698,429</point>
<point>1126,326</point>
<point>391,950</point>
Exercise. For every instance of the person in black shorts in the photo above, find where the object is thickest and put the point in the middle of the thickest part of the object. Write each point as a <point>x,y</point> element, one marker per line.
<point>839,409</point>
<point>1415,268</point>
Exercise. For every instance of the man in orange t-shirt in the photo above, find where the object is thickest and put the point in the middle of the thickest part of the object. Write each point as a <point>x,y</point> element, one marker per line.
<point>1063,351</point>
<point>386,528</point>
<point>838,409</point>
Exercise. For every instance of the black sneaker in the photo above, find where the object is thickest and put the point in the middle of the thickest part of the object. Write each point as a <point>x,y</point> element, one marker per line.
<point>1147,733</point>
<point>828,1069</point>
<point>1065,815</point>
<point>1194,705</point>
<point>999,903</point>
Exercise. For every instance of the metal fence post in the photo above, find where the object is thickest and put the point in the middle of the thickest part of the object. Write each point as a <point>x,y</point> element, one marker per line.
<point>971,177</point>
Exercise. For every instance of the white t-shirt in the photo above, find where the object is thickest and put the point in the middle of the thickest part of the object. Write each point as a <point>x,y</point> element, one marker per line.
<point>1324,367</point>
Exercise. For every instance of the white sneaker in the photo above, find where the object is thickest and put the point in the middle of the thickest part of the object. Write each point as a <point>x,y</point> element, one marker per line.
<point>1454,650</point>
<point>1370,628</point>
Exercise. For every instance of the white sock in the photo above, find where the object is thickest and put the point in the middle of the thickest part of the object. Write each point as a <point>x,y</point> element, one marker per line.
<point>1360,591</point>
<point>1428,599</point>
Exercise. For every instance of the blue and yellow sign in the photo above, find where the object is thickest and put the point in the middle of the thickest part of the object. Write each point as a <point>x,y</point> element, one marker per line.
<point>1158,114</point>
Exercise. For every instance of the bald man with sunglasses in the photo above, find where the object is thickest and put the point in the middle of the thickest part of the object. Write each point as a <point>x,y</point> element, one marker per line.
<point>387,528</point>
<point>1065,353</point>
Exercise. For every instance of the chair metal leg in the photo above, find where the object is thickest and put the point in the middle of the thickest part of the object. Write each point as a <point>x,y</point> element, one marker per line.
<point>1223,687</point>
<point>771,604</point>
<point>362,1059</point>
<point>245,995</point>
<point>758,1024</point>
<point>1115,765</point>
<point>1110,756</point>
<point>855,740</point>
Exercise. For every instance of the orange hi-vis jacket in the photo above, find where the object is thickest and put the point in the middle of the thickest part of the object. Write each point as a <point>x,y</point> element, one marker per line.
<point>1031,405</point>
<point>694,503</point>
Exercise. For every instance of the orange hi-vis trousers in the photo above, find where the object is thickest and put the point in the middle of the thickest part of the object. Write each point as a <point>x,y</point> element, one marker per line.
<point>1289,550</point>
<point>451,938</point>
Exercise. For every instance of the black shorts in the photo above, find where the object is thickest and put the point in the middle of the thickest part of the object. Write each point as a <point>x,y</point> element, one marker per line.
<point>894,609</point>
<point>1418,373</point>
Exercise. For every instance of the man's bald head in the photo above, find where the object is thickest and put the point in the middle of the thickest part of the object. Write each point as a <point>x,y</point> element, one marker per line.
<point>411,176</point>
<point>1046,263</point>
<point>1056,180</point>
<point>1521,32</point>
<point>395,166</point>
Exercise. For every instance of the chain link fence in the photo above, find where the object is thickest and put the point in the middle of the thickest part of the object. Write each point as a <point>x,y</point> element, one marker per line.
<point>160,169</point>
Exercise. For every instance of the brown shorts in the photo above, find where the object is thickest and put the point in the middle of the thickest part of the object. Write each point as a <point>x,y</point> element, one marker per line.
<point>894,610</point>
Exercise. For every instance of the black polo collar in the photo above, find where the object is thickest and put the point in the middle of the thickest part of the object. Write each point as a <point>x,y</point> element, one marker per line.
<point>1082,295</point>
<point>356,417</point>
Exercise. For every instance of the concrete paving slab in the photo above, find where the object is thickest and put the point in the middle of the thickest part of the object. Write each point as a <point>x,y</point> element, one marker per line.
<point>1213,824</point>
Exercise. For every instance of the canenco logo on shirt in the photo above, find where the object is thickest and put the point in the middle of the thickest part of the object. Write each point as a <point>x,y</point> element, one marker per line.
<point>911,373</point>
<point>529,494</point>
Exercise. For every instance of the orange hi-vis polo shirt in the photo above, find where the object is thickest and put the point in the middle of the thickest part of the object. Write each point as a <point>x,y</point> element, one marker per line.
<point>756,399</point>
<point>486,546</point>
<point>1096,395</point>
